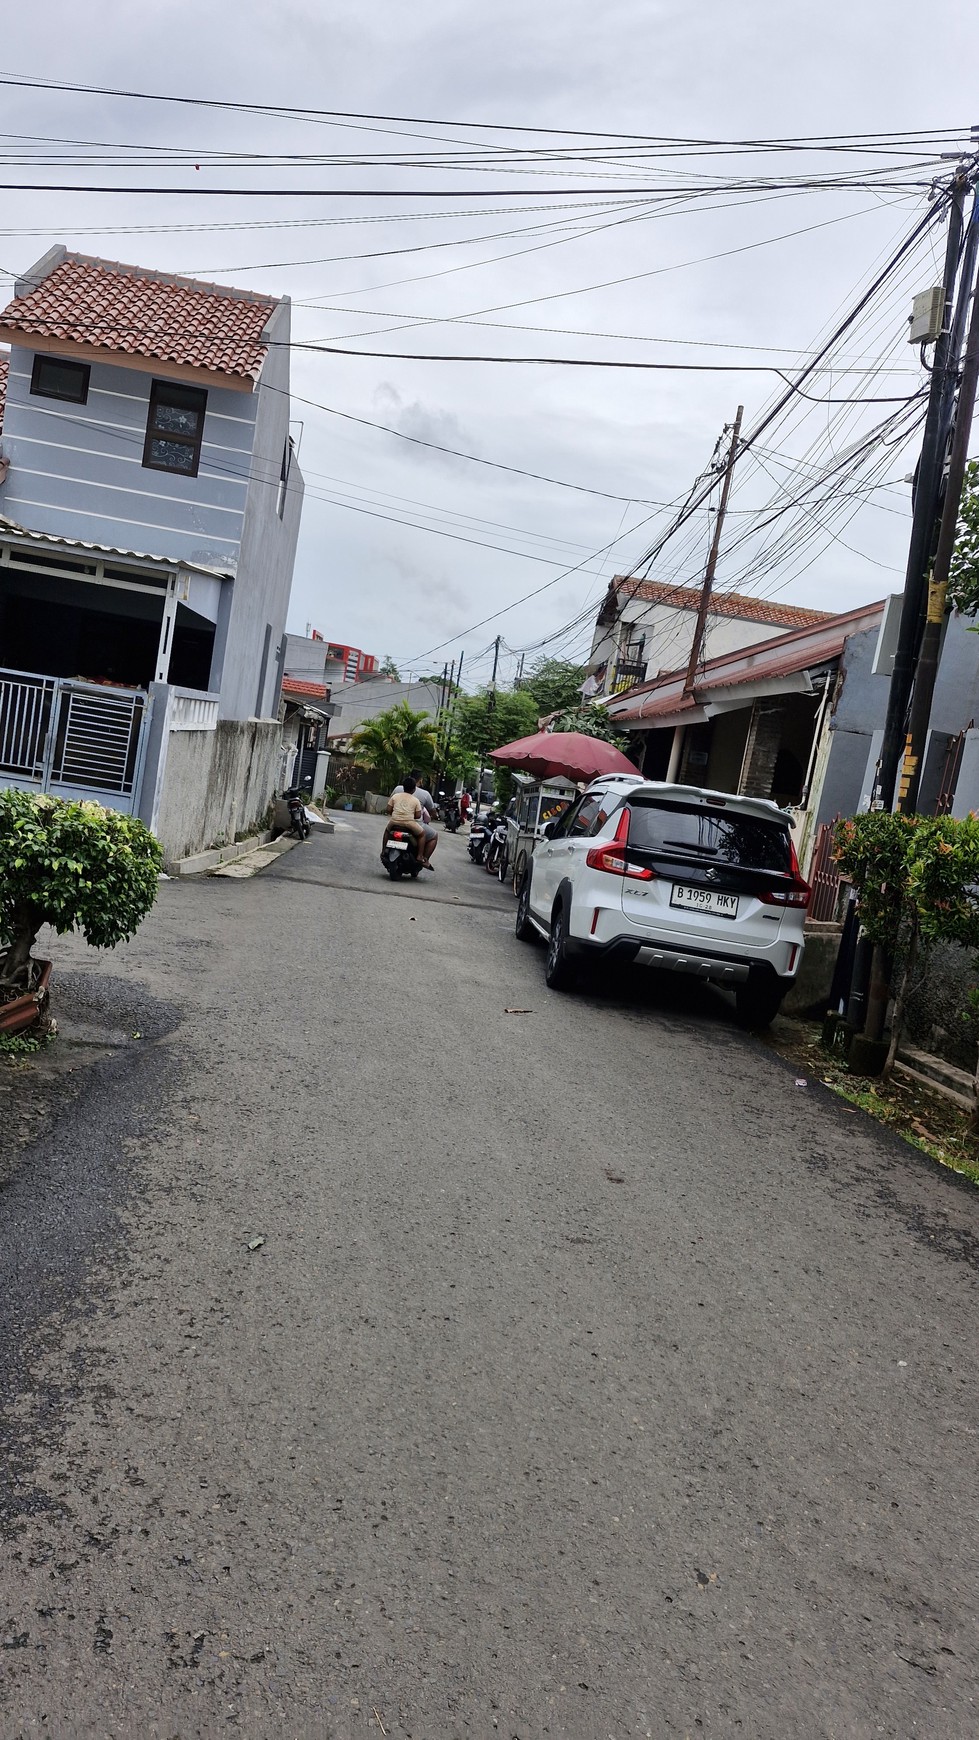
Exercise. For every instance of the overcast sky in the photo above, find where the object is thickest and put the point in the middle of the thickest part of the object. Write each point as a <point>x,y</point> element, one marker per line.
<point>759,69</point>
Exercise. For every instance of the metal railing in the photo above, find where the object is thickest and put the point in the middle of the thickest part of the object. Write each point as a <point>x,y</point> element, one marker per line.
<point>190,712</point>
<point>25,715</point>
<point>824,878</point>
<point>70,737</point>
<point>627,674</point>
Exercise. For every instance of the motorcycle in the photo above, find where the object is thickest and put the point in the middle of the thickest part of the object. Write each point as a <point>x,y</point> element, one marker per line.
<point>481,833</point>
<point>496,851</point>
<point>295,799</point>
<point>452,815</point>
<point>399,854</point>
<point>479,838</point>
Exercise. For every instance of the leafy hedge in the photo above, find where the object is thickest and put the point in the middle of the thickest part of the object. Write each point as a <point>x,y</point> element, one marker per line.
<point>71,865</point>
<point>917,878</point>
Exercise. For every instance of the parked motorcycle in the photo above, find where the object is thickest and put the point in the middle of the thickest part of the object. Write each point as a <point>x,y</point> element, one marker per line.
<point>479,838</point>
<point>295,799</point>
<point>496,851</point>
<point>399,854</point>
<point>480,835</point>
<point>452,815</point>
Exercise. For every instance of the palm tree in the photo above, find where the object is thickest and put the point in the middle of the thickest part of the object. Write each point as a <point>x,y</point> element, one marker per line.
<point>394,742</point>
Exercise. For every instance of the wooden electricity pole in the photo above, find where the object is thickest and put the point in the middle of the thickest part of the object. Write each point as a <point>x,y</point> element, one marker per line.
<point>708,586</point>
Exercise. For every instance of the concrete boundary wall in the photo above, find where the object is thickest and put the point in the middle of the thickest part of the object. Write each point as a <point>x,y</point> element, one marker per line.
<point>217,784</point>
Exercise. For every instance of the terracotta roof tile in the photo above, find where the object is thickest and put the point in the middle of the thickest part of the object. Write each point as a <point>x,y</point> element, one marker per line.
<point>300,686</point>
<point>130,310</point>
<point>738,604</point>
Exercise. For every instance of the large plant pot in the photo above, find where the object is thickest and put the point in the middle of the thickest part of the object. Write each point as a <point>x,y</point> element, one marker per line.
<point>25,1010</point>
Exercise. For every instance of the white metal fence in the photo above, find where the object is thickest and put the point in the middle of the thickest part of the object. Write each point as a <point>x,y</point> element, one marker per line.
<point>71,738</point>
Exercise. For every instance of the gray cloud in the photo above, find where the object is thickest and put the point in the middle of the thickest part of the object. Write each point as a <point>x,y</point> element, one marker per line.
<point>443,428</point>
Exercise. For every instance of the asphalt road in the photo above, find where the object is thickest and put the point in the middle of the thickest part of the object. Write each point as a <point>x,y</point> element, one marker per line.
<point>593,1378</point>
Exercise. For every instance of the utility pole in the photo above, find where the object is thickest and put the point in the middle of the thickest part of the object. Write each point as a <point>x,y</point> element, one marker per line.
<point>927,667</point>
<point>448,735</point>
<point>923,521</point>
<point>490,708</point>
<point>700,625</point>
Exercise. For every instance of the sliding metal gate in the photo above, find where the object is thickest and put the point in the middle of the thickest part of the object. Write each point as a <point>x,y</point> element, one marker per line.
<point>74,739</point>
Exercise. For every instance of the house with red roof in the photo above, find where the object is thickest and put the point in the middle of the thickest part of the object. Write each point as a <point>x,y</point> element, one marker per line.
<point>791,718</point>
<point>150,502</point>
<point>647,626</point>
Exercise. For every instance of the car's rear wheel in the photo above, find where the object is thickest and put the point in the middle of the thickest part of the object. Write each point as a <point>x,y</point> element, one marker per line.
<point>559,969</point>
<point>525,931</point>
<point>757,1002</point>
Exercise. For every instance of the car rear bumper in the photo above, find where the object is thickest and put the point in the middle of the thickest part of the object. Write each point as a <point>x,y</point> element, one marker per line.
<point>680,957</point>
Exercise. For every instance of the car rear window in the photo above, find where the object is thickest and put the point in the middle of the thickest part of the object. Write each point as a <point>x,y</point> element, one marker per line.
<point>690,831</point>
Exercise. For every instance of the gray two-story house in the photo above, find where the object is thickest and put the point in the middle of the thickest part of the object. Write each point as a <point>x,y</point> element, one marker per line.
<point>150,502</point>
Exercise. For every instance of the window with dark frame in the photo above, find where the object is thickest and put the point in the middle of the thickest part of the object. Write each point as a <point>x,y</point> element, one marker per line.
<point>175,428</point>
<point>53,377</point>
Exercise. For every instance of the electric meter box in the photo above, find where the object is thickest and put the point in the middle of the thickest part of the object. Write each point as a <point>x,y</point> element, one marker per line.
<point>927,313</point>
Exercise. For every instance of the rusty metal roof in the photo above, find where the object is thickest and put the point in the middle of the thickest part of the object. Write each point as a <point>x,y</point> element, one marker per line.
<point>785,655</point>
<point>12,533</point>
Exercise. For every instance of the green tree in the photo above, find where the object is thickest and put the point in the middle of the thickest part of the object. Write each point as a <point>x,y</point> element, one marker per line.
<point>963,579</point>
<point>394,742</point>
<point>593,721</point>
<point>73,866</point>
<point>485,721</point>
<point>555,685</point>
<point>388,668</point>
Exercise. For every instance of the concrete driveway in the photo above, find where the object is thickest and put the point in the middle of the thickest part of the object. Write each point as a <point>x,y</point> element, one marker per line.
<point>593,1378</point>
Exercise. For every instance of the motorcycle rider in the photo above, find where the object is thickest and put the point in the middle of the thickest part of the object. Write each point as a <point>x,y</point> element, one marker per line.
<point>427,802</point>
<point>405,811</point>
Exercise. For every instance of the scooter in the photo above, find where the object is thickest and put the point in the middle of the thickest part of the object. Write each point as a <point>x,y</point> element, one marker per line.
<point>295,799</point>
<point>399,854</point>
<point>452,815</point>
<point>496,851</point>
<point>479,837</point>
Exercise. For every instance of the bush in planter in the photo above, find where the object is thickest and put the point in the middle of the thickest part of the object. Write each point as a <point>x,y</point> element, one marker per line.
<point>917,878</point>
<point>73,866</point>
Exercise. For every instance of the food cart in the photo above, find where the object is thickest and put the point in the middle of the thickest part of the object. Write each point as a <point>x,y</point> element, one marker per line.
<point>534,803</point>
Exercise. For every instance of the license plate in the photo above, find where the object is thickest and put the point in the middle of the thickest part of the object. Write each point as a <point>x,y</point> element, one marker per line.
<point>704,900</point>
<point>397,845</point>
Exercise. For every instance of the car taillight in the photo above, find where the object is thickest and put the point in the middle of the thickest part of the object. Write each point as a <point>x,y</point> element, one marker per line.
<point>798,891</point>
<point>612,859</point>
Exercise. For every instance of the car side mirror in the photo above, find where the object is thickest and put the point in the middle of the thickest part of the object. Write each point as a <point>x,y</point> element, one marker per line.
<point>548,830</point>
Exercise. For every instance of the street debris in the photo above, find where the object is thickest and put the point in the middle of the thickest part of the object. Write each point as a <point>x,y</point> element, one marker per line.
<point>800,1081</point>
<point>518,1011</point>
<point>613,1177</point>
<point>255,1244</point>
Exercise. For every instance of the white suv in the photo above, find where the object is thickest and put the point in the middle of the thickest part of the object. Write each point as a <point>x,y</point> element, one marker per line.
<point>673,877</point>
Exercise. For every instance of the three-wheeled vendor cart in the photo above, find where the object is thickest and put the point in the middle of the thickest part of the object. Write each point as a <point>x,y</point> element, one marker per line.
<point>535,803</point>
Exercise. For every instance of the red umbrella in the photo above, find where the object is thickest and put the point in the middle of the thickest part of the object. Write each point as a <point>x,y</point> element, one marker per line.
<point>562,754</point>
